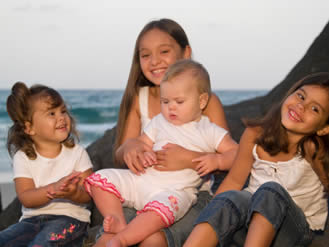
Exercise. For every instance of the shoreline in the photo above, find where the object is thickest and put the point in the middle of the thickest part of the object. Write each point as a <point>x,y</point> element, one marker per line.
<point>8,193</point>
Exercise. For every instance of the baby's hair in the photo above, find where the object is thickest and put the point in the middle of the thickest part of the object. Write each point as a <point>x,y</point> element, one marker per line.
<point>274,138</point>
<point>20,110</point>
<point>198,72</point>
<point>136,77</point>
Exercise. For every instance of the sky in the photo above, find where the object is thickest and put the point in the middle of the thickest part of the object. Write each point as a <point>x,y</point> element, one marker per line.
<point>88,44</point>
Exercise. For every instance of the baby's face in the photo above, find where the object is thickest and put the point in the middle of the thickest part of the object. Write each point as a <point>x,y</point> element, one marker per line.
<point>180,99</point>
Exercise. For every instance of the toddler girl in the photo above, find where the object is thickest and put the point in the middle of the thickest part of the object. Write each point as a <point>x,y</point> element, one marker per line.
<point>49,170</point>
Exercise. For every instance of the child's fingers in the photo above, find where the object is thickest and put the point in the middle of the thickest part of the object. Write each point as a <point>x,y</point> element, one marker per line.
<point>199,159</point>
<point>49,195</point>
<point>72,176</point>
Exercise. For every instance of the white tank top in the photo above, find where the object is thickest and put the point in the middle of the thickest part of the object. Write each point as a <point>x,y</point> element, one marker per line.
<point>143,106</point>
<point>299,180</point>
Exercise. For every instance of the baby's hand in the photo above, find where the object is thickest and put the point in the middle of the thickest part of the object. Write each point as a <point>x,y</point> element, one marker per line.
<point>207,164</point>
<point>64,187</point>
<point>150,158</point>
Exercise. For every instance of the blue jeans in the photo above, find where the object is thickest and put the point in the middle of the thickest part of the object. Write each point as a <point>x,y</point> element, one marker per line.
<point>45,230</point>
<point>177,233</point>
<point>229,214</point>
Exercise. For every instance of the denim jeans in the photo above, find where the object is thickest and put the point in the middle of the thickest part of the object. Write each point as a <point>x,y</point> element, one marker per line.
<point>44,230</point>
<point>229,214</point>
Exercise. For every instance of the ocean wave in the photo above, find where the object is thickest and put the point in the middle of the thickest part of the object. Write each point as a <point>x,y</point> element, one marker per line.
<point>95,115</point>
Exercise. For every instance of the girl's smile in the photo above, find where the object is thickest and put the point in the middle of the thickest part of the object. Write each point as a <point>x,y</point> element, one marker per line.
<point>157,51</point>
<point>294,116</point>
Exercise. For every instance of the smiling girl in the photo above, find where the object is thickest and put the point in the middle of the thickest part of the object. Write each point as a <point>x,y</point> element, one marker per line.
<point>49,170</point>
<point>286,155</point>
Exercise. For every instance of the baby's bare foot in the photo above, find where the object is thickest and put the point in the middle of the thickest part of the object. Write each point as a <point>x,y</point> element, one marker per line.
<point>112,224</point>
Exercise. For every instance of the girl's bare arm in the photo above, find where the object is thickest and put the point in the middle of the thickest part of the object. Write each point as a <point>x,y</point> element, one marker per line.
<point>242,164</point>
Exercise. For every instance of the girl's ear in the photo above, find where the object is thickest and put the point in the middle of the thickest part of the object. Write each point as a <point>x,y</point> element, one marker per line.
<point>28,129</point>
<point>323,131</point>
<point>203,98</point>
<point>187,52</point>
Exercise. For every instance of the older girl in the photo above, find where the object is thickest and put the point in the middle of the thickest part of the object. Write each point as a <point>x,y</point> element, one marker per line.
<point>159,44</point>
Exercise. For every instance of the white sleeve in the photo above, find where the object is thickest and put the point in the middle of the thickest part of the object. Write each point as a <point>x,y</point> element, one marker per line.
<point>83,161</point>
<point>215,134</point>
<point>20,165</point>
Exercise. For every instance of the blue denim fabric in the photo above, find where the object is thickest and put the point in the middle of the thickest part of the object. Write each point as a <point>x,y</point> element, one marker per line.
<point>45,230</point>
<point>229,214</point>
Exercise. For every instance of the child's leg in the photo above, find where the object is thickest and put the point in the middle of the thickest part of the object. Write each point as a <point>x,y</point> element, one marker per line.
<point>20,234</point>
<point>110,206</point>
<point>59,230</point>
<point>221,219</point>
<point>109,188</point>
<point>144,225</point>
<point>260,232</point>
<point>103,240</point>
<point>157,239</point>
<point>202,235</point>
<point>278,209</point>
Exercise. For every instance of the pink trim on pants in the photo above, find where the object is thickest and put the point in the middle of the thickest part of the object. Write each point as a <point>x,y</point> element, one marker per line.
<point>162,210</point>
<point>96,180</point>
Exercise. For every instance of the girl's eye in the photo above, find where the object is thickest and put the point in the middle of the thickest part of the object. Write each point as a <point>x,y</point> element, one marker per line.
<point>144,55</point>
<point>64,111</point>
<point>180,102</point>
<point>301,96</point>
<point>315,109</point>
<point>52,113</point>
<point>164,51</point>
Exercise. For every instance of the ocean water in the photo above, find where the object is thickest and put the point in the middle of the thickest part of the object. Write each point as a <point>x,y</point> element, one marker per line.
<point>95,111</point>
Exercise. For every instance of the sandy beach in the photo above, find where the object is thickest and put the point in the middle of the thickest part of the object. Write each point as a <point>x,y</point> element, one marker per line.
<point>8,193</point>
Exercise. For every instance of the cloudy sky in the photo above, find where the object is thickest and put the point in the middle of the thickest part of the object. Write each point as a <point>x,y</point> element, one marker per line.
<point>89,43</point>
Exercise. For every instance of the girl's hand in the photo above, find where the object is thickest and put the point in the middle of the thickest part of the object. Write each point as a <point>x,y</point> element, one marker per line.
<point>150,158</point>
<point>133,155</point>
<point>64,187</point>
<point>207,163</point>
<point>174,157</point>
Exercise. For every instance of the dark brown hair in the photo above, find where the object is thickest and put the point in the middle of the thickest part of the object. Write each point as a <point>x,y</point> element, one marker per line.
<point>20,110</point>
<point>273,138</point>
<point>136,77</point>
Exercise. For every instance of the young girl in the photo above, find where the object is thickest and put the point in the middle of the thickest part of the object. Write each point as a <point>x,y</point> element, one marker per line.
<point>159,44</point>
<point>49,170</point>
<point>162,197</point>
<point>287,156</point>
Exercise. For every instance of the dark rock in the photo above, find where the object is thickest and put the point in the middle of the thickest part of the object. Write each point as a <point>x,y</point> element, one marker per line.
<point>316,59</point>
<point>10,214</point>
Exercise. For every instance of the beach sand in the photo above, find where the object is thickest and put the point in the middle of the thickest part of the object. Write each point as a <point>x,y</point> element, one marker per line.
<point>8,193</point>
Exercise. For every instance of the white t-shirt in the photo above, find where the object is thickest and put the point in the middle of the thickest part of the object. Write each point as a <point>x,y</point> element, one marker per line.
<point>44,171</point>
<point>201,136</point>
<point>300,181</point>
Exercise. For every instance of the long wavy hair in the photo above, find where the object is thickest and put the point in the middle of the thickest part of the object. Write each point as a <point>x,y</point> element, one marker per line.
<point>20,110</point>
<point>136,77</point>
<point>273,138</point>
